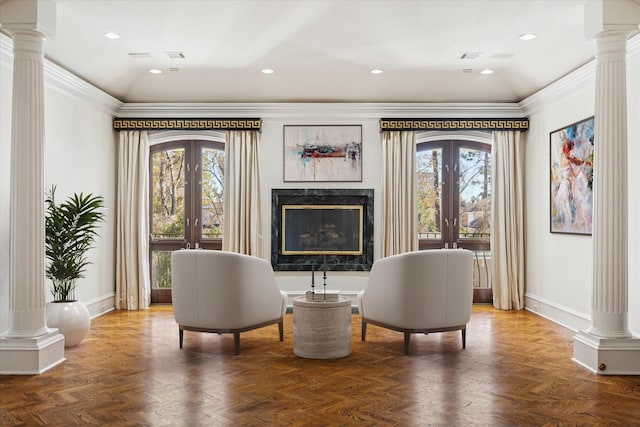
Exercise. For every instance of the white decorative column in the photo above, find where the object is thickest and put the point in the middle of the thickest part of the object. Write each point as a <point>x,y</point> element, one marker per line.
<point>608,346</point>
<point>28,346</point>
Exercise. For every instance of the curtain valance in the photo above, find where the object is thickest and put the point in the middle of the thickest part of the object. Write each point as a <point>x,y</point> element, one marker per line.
<point>521,124</point>
<point>222,124</point>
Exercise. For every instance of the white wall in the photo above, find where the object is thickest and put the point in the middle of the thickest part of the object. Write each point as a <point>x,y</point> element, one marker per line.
<point>633,102</point>
<point>79,157</point>
<point>271,152</point>
<point>5,163</point>
<point>559,266</point>
<point>276,116</point>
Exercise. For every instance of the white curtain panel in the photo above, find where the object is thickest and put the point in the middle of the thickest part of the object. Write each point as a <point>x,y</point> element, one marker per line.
<point>242,230</point>
<point>133,288</point>
<point>507,219</point>
<point>399,204</point>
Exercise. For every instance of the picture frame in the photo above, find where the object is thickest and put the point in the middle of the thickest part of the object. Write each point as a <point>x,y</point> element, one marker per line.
<point>322,153</point>
<point>571,178</point>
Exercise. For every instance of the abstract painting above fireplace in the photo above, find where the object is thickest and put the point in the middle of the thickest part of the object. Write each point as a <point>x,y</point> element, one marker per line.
<point>312,226</point>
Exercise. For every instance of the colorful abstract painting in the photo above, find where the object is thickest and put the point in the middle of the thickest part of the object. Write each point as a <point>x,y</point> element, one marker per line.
<point>323,153</point>
<point>572,150</point>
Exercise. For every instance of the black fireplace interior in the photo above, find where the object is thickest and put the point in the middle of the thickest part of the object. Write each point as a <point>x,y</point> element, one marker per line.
<point>311,227</point>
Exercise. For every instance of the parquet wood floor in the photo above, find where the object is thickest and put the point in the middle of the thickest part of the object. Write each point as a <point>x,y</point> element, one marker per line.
<point>516,370</point>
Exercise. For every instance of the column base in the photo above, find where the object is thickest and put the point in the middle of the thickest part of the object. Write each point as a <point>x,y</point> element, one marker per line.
<point>607,356</point>
<point>31,356</point>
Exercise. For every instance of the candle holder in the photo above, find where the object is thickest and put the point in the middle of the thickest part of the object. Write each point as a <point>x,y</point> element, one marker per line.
<point>313,279</point>
<point>324,276</point>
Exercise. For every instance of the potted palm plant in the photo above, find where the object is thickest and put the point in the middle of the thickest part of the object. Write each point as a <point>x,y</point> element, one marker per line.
<point>70,231</point>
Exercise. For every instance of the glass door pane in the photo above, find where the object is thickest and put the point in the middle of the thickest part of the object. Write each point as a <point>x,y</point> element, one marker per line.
<point>169,209</point>
<point>161,269</point>
<point>429,193</point>
<point>168,195</point>
<point>212,184</point>
<point>474,190</point>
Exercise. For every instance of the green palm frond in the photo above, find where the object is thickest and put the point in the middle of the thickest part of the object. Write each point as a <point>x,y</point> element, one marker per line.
<point>71,228</point>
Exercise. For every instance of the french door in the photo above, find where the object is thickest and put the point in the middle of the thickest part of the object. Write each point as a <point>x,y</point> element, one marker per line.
<point>186,180</point>
<point>454,203</point>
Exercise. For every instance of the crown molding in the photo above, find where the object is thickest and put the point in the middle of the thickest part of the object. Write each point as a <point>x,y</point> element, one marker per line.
<point>6,51</point>
<point>314,110</point>
<point>63,81</point>
<point>576,79</point>
<point>633,50</point>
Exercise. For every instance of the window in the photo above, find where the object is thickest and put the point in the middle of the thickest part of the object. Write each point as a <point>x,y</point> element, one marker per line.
<point>186,205</point>
<point>453,180</point>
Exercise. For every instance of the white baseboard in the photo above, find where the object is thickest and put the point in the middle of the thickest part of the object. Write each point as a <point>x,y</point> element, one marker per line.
<point>101,305</point>
<point>557,313</point>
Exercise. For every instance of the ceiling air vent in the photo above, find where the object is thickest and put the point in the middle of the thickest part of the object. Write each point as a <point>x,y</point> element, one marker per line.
<point>175,55</point>
<point>502,55</point>
<point>139,54</point>
<point>470,55</point>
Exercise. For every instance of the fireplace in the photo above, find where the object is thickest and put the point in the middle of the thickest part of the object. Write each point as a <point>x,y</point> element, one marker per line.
<point>311,226</point>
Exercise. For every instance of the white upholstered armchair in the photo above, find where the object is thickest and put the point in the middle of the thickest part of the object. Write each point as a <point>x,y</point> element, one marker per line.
<point>224,292</point>
<point>419,292</point>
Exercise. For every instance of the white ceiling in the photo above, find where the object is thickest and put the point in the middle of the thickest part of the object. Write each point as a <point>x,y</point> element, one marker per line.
<point>321,50</point>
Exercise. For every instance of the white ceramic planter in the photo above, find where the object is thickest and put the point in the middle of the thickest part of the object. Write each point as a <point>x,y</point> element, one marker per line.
<point>72,320</point>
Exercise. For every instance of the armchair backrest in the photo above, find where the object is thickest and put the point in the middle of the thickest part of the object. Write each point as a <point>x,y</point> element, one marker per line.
<point>421,289</point>
<point>223,290</point>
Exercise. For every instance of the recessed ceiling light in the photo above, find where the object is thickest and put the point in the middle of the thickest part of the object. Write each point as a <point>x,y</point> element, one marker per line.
<point>267,71</point>
<point>376,71</point>
<point>528,36</point>
<point>487,71</point>
<point>112,36</point>
<point>155,71</point>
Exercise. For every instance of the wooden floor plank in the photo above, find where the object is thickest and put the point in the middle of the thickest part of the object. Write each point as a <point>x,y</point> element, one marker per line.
<point>516,370</point>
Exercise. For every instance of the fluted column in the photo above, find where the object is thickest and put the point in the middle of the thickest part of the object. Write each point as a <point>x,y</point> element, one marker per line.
<point>607,346</point>
<point>28,346</point>
<point>609,302</point>
<point>26,308</point>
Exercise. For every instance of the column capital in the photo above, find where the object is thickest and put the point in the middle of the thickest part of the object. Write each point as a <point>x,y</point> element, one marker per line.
<point>36,15</point>
<point>611,15</point>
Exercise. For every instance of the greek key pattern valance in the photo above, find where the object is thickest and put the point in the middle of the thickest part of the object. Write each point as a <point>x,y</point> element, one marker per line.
<point>187,124</point>
<point>454,124</point>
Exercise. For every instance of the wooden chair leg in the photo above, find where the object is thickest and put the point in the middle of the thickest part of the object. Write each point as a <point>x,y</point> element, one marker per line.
<point>364,329</point>
<point>464,337</point>
<point>281,329</point>
<point>180,335</point>
<point>407,339</point>
<point>236,341</point>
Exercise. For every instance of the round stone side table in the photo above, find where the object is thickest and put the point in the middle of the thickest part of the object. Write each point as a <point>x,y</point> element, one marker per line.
<point>321,330</point>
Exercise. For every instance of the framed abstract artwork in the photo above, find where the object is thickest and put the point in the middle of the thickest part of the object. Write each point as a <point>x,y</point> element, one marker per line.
<point>572,149</point>
<point>320,153</point>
